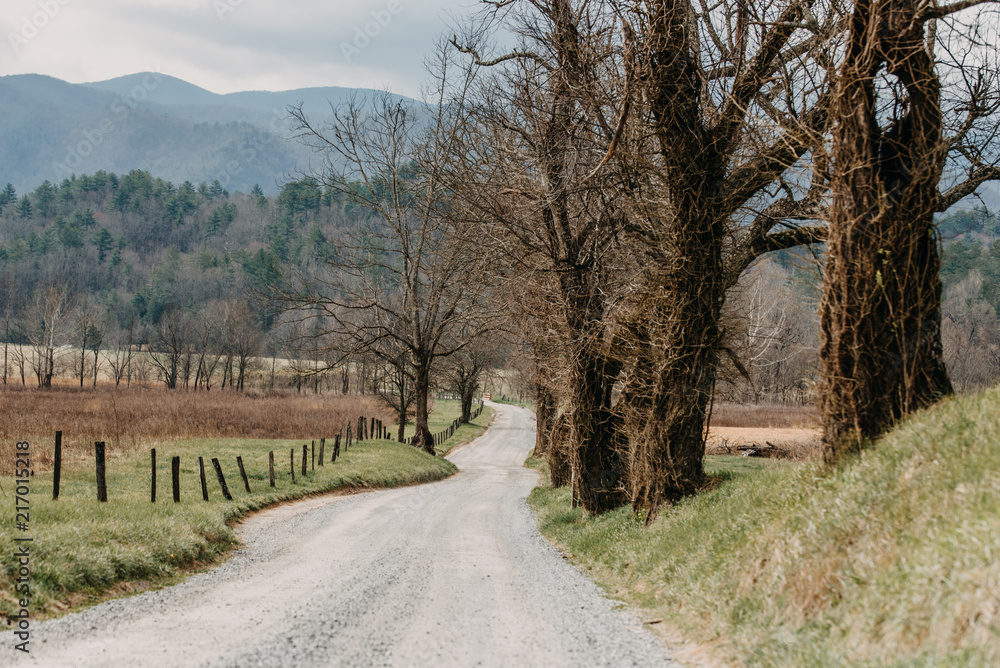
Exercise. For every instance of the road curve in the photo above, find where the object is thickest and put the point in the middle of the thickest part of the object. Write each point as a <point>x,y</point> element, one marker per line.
<point>452,573</point>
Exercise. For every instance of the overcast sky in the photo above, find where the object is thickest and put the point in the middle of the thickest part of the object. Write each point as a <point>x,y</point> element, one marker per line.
<point>228,45</point>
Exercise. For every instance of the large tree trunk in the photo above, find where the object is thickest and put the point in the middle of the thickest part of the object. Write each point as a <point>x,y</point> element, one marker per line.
<point>468,389</point>
<point>545,413</point>
<point>674,336</point>
<point>560,439</point>
<point>675,339</point>
<point>596,456</point>
<point>881,354</point>
<point>401,408</point>
<point>422,438</point>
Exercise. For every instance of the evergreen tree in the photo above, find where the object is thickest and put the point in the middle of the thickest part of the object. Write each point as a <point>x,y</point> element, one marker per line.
<point>104,242</point>
<point>70,234</point>
<point>45,197</point>
<point>216,190</point>
<point>24,209</point>
<point>84,219</point>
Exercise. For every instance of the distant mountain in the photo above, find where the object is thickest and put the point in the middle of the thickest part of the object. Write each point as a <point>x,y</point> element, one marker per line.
<point>155,122</point>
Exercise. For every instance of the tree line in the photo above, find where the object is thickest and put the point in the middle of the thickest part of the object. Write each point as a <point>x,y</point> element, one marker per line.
<point>624,165</point>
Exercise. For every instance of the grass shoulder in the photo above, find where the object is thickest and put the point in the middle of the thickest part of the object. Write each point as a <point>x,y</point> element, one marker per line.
<point>890,560</point>
<point>84,551</point>
<point>445,412</point>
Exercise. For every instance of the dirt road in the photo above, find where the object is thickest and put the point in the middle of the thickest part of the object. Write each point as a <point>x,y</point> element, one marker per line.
<point>448,574</point>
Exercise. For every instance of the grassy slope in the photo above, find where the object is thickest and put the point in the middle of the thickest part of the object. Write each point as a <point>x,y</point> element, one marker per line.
<point>84,550</point>
<point>893,560</point>
<point>444,413</point>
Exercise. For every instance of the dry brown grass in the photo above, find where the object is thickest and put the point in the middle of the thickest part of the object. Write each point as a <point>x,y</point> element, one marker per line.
<point>796,444</point>
<point>765,415</point>
<point>792,429</point>
<point>134,418</point>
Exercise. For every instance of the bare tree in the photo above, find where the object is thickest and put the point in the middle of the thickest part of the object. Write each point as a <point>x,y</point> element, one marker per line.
<point>49,328</point>
<point>394,382</point>
<point>171,341</point>
<point>532,171</point>
<point>463,371</point>
<point>120,352</point>
<point>90,327</point>
<point>242,338</point>
<point>11,306</point>
<point>676,123</point>
<point>970,335</point>
<point>404,273</point>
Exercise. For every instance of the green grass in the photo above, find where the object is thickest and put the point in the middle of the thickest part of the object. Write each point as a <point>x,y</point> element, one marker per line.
<point>891,560</point>
<point>511,401</point>
<point>84,550</point>
<point>444,413</point>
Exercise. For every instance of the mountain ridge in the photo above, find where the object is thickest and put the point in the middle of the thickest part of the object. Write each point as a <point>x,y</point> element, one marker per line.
<point>155,122</point>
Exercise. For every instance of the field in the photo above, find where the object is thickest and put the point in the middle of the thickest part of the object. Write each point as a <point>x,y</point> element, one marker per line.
<point>793,429</point>
<point>85,551</point>
<point>139,418</point>
<point>891,560</point>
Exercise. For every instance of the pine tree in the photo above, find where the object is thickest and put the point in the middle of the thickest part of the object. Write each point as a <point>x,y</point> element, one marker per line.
<point>24,209</point>
<point>104,242</point>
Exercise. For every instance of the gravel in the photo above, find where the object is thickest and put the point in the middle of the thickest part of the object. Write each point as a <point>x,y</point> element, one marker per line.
<point>452,573</point>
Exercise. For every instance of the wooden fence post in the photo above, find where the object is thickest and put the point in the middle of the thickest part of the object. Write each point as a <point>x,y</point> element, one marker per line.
<point>57,471</point>
<point>222,479</point>
<point>313,450</point>
<point>322,450</point>
<point>152,486</point>
<point>291,458</point>
<point>243,474</point>
<point>270,466</point>
<point>175,470</point>
<point>347,443</point>
<point>204,481</point>
<point>102,474</point>
<point>305,460</point>
<point>336,448</point>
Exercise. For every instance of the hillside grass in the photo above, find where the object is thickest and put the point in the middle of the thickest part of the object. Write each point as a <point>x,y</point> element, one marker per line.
<point>85,551</point>
<point>891,560</point>
<point>447,411</point>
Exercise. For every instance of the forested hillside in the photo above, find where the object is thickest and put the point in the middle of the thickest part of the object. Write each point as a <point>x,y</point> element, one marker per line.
<point>132,248</point>
<point>126,259</point>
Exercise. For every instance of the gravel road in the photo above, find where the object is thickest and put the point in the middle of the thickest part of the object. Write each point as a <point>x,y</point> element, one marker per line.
<point>452,573</point>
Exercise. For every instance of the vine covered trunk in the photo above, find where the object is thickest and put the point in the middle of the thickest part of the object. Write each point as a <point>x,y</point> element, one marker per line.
<point>881,355</point>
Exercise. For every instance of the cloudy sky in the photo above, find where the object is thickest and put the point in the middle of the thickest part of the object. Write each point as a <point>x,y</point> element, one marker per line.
<point>228,45</point>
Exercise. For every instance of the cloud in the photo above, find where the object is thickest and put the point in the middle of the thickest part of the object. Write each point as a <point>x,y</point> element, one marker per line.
<point>229,45</point>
